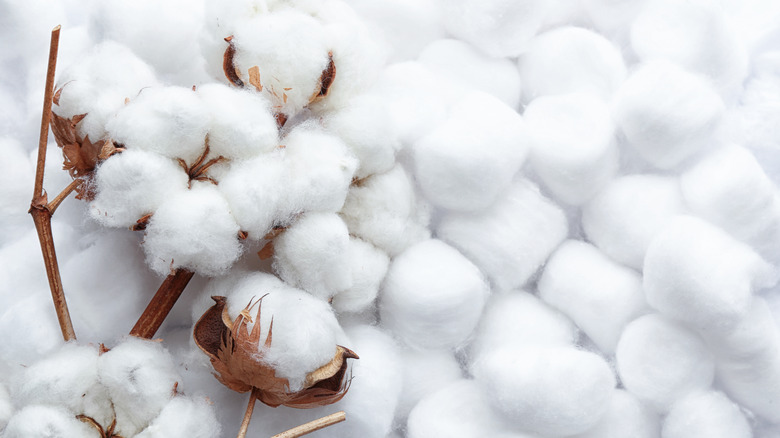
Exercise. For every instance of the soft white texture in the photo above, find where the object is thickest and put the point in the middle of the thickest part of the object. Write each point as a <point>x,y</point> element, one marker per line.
<point>626,416</point>
<point>424,372</point>
<point>184,417</point>
<point>6,406</point>
<point>706,414</point>
<point>35,421</point>
<point>432,296</point>
<point>368,266</point>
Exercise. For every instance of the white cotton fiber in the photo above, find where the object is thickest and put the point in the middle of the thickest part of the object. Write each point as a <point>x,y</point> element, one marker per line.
<point>571,59</point>
<point>573,148</point>
<point>468,160</point>
<point>36,421</point>
<point>510,240</point>
<point>6,406</point>
<point>432,296</point>
<point>660,361</point>
<point>312,254</point>
<point>14,190</point>
<point>599,295</point>
<point>368,266</point>
<point>706,414</point>
<point>613,18</point>
<point>425,372</point>
<point>193,230</point>
<point>184,417</point>
<point>622,219</point>
<point>696,273</point>
<point>555,391</point>
<point>132,184</point>
<point>626,416</point>
<point>666,113</point>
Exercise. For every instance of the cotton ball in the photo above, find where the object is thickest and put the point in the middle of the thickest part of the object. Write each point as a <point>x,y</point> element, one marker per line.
<point>626,416</point>
<point>599,295</point>
<point>573,144</point>
<point>467,161</point>
<point>46,421</point>
<point>432,296</point>
<point>622,219</point>
<point>660,360</point>
<point>425,372</point>
<point>132,184</point>
<point>613,18</point>
<point>696,273</point>
<point>473,70</point>
<point>667,114</point>
<point>184,417</point>
<point>571,59</point>
<point>171,121</point>
<point>193,230</point>
<point>707,414</point>
<point>758,109</point>
<point>368,266</point>
<point>555,391</point>
<point>511,239</point>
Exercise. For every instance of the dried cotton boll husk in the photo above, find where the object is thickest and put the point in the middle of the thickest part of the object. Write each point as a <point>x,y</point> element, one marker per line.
<point>666,113</point>
<point>549,391</point>
<point>511,239</point>
<point>368,265</point>
<point>660,361</point>
<point>432,296</point>
<point>424,372</point>
<point>36,421</point>
<point>193,230</point>
<point>706,414</point>
<point>184,417</point>
<point>626,416</point>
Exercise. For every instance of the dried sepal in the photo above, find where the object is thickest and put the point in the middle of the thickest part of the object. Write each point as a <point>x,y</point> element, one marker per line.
<point>231,72</point>
<point>327,78</point>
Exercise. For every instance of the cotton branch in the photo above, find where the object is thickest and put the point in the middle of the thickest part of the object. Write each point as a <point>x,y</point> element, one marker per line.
<point>313,426</point>
<point>161,304</point>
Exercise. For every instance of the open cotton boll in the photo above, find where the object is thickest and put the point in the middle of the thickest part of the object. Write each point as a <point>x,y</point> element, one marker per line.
<point>555,391</point>
<point>36,421</point>
<point>660,361</point>
<point>424,372</point>
<point>599,295</point>
<point>573,147</point>
<point>697,273</point>
<point>568,60</point>
<point>623,218</point>
<point>132,184</point>
<point>432,296</point>
<point>184,417</point>
<point>706,414</point>
<point>626,416</point>
<point>193,230</point>
<point>368,266</point>
<point>667,114</point>
<point>510,240</point>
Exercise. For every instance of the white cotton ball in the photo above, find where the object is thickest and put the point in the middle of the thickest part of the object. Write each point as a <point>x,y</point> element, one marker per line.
<point>500,28</point>
<point>573,144</point>
<point>384,210</point>
<point>193,230</point>
<point>571,59</point>
<point>132,184</point>
<point>555,391</point>
<point>170,121</point>
<point>184,417</point>
<point>622,219</point>
<point>369,266</point>
<point>425,372</point>
<point>599,295</point>
<point>758,109</point>
<point>432,296</point>
<point>473,70</point>
<point>36,421</point>
<point>667,114</point>
<point>696,273</point>
<point>613,18</point>
<point>468,160</point>
<point>660,361</point>
<point>706,414</point>
<point>510,240</point>
<point>626,416</point>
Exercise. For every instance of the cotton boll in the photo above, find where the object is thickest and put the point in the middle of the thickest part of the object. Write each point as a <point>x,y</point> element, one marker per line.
<point>510,240</point>
<point>368,266</point>
<point>184,417</point>
<point>571,59</point>
<point>599,295</point>
<point>556,391</point>
<point>707,414</point>
<point>47,421</point>
<point>696,273</point>
<point>193,230</point>
<point>622,219</point>
<point>425,372</point>
<point>626,416</point>
<point>667,114</point>
<point>573,146</point>
<point>432,296</point>
<point>660,361</point>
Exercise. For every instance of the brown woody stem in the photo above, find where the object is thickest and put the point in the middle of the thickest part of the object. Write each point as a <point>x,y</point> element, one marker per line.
<point>54,45</point>
<point>312,426</point>
<point>161,304</point>
<point>52,206</point>
<point>250,407</point>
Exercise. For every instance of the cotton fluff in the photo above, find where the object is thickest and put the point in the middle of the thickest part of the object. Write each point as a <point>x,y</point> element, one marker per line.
<point>6,407</point>
<point>573,144</point>
<point>660,361</point>
<point>758,109</point>
<point>368,266</point>
<point>193,230</point>
<point>571,59</point>
<point>555,391</point>
<point>599,295</point>
<point>46,421</point>
<point>622,219</point>
<point>424,372</point>
<point>312,254</point>
<point>696,273</point>
<point>706,414</point>
<point>132,184</point>
<point>184,418</point>
<point>626,416</point>
<point>510,240</point>
<point>468,160</point>
<point>667,114</point>
<point>14,188</point>
<point>432,296</point>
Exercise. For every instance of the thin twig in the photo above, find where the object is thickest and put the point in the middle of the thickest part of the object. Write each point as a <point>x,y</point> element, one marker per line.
<point>54,46</point>
<point>161,304</point>
<point>312,426</point>
<point>250,407</point>
<point>52,206</point>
